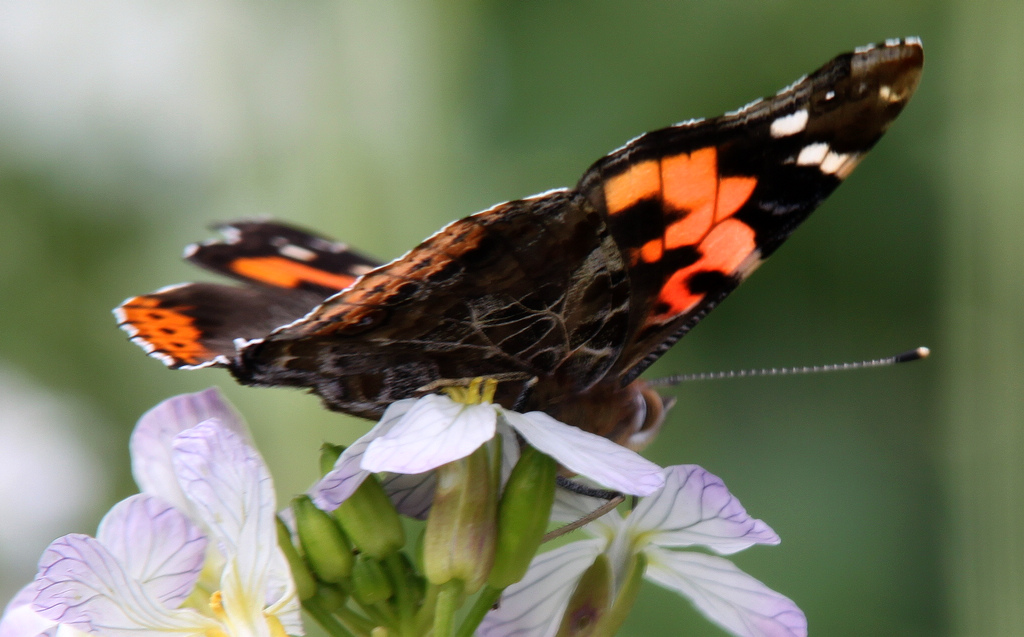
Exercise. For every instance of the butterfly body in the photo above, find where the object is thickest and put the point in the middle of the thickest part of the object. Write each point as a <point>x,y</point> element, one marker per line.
<point>567,296</point>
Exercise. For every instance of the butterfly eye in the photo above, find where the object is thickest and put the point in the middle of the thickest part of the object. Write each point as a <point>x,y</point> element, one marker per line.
<point>649,416</point>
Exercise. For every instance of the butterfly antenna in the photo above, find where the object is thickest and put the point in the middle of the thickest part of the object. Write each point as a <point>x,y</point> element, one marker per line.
<point>905,357</point>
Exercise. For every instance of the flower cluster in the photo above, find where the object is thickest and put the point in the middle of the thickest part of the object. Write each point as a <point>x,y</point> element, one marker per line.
<point>202,549</point>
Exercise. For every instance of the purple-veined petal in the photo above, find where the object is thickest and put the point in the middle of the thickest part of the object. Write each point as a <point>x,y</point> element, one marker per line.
<point>726,595</point>
<point>435,431</point>
<point>587,454</point>
<point>157,545</point>
<point>695,508</point>
<point>19,620</point>
<point>348,473</point>
<point>83,585</point>
<point>533,607</point>
<point>154,434</point>
<point>412,494</point>
<point>232,491</point>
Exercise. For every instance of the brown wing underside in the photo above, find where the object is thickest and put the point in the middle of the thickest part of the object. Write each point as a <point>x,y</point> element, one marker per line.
<point>534,288</point>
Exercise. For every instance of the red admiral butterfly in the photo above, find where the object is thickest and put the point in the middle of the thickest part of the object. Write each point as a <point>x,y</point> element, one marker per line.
<point>567,296</point>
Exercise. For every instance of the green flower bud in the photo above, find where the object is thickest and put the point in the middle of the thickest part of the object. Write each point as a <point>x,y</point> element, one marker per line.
<point>461,528</point>
<point>329,455</point>
<point>589,602</point>
<point>370,584</point>
<point>370,520</point>
<point>624,598</point>
<point>331,597</point>
<point>305,584</point>
<point>328,551</point>
<point>523,516</point>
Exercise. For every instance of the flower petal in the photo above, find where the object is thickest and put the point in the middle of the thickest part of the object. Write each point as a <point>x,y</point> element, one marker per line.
<point>726,595</point>
<point>82,584</point>
<point>348,473</point>
<point>412,494</point>
<point>533,607</point>
<point>436,431</point>
<point>229,485</point>
<point>158,545</point>
<point>19,620</point>
<point>695,508</point>
<point>233,493</point>
<point>587,454</point>
<point>154,433</point>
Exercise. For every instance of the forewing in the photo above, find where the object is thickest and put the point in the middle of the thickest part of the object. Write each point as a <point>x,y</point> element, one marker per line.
<point>281,256</point>
<point>696,207</point>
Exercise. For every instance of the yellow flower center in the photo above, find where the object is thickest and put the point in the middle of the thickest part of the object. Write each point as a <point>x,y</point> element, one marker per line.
<point>480,390</point>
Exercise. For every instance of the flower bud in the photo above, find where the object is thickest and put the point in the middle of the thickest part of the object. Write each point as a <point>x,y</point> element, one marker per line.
<point>331,597</point>
<point>461,530</point>
<point>328,551</point>
<point>329,454</point>
<point>370,584</point>
<point>625,597</point>
<point>305,585</point>
<point>589,602</point>
<point>370,520</point>
<point>523,516</point>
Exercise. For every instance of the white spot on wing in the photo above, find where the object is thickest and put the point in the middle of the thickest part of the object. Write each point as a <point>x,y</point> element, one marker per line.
<point>812,154</point>
<point>232,235</point>
<point>790,124</point>
<point>298,253</point>
<point>840,165</point>
<point>833,162</point>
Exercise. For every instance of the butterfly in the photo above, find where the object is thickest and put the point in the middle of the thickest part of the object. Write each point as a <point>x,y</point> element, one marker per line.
<point>565,297</point>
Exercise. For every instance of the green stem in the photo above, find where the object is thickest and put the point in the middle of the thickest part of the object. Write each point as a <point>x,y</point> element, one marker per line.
<point>377,617</point>
<point>354,621</point>
<point>448,599</point>
<point>425,615</point>
<point>403,596</point>
<point>488,597</point>
<point>327,620</point>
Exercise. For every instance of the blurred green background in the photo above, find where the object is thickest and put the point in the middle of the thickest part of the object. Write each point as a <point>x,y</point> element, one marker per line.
<point>127,128</point>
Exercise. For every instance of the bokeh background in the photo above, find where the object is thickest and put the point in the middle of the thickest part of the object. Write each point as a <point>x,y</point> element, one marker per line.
<point>126,128</point>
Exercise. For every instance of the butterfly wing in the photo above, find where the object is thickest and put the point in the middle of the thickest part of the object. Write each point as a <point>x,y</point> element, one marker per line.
<point>286,272</point>
<point>568,295</point>
<point>696,207</point>
<point>529,289</point>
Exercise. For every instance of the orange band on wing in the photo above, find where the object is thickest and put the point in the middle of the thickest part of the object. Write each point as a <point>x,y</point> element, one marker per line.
<point>641,181</point>
<point>725,248</point>
<point>283,273</point>
<point>733,192</point>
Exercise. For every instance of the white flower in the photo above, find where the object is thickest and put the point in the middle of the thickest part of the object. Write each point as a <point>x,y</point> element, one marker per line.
<point>693,509</point>
<point>418,435</point>
<point>195,554</point>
